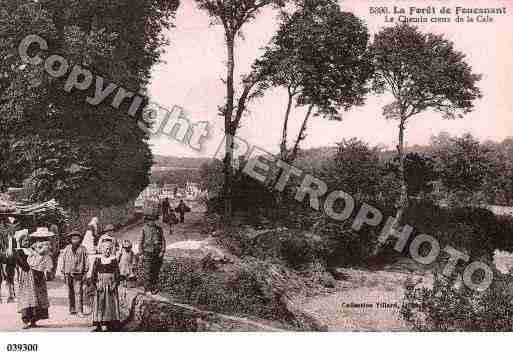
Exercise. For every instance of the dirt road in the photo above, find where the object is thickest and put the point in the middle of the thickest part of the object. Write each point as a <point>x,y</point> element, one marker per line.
<point>366,301</point>
<point>60,319</point>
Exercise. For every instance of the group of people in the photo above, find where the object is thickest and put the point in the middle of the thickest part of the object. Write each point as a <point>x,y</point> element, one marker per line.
<point>169,216</point>
<point>95,262</point>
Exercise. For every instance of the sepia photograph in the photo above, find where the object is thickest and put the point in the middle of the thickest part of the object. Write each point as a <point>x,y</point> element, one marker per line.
<point>255,166</point>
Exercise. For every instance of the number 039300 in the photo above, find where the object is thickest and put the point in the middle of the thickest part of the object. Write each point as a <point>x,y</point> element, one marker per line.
<point>22,347</point>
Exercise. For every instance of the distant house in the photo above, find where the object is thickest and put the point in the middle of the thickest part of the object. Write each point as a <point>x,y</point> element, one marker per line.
<point>168,191</point>
<point>169,187</point>
<point>501,210</point>
<point>152,191</point>
<point>193,191</point>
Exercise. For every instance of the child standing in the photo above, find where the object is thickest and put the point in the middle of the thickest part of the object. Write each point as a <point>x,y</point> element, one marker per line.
<point>127,262</point>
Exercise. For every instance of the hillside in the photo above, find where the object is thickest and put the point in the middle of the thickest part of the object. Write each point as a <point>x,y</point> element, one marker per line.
<point>178,162</point>
<point>177,170</point>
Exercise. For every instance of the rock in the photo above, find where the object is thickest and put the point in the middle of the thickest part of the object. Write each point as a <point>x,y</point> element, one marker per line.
<point>215,253</point>
<point>339,274</point>
<point>306,320</point>
<point>312,236</point>
<point>327,280</point>
<point>217,233</point>
<point>197,249</point>
<point>264,221</point>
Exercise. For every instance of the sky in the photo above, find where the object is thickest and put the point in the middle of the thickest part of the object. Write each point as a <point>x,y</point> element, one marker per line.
<point>193,66</point>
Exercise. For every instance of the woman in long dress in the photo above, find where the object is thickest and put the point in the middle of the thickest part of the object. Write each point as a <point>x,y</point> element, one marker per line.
<point>32,298</point>
<point>105,276</point>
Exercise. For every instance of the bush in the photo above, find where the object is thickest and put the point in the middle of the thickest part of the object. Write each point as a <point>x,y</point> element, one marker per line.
<point>292,248</point>
<point>299,252</point>
<point>448,307</point>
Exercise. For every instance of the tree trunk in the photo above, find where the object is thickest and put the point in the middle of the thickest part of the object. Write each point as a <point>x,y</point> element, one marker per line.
<point>301,135</point>
<point>283,152</point>
<point>402,202</point>
<point>228,130</point>
<point>283,147</point>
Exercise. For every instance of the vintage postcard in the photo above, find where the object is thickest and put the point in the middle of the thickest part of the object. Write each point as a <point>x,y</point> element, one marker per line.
<point>255,166</point>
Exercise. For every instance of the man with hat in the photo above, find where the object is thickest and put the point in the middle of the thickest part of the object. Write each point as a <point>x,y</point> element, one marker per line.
<point>75,265</point>
<point>152,247</point>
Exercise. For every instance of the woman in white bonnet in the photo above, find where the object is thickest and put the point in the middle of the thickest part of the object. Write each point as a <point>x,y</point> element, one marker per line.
<point>91,235</point>
<point>34,261</point>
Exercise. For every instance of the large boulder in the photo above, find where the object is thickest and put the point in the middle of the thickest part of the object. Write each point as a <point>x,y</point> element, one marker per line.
<point>197,250</point>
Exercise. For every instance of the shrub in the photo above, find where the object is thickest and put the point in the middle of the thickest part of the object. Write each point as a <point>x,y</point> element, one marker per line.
<point>292,248</point>
<point>299,252</point>
<point>450,307</point>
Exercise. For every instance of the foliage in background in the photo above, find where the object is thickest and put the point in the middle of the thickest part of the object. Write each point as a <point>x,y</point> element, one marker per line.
<point>367,174</point>
<point>472,172</point>
<point>355,169</point>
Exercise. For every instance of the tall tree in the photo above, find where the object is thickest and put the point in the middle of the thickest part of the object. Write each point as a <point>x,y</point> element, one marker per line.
<point>233,15</point>
<point>319,55</point>
<point>423,72</point>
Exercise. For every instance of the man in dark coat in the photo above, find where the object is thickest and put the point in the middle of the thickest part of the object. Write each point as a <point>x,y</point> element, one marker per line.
<point>182,209</point>
<point>165,209</point>
<point>152,247</point>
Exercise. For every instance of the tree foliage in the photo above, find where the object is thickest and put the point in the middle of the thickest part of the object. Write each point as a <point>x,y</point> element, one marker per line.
<point>80,153</point>
<point>422,71</point>
<point>319,55</point>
